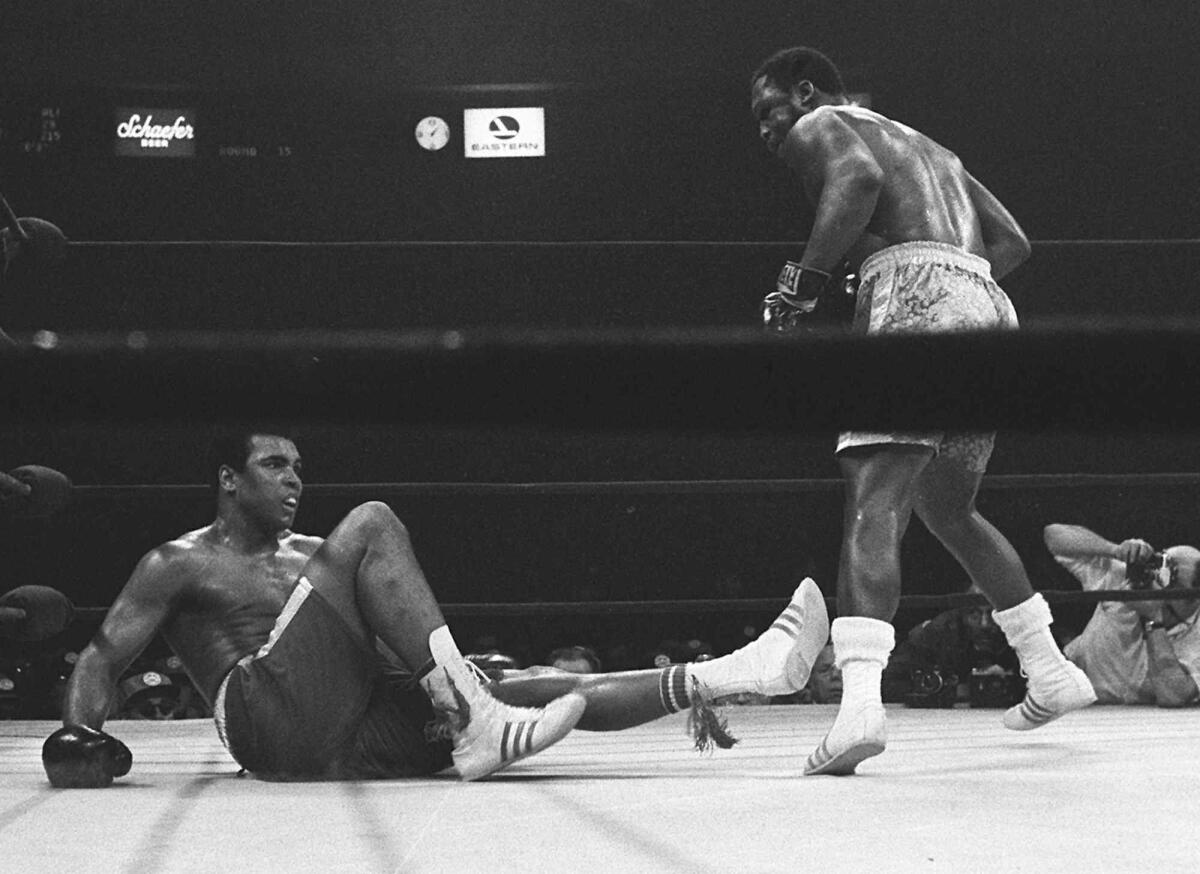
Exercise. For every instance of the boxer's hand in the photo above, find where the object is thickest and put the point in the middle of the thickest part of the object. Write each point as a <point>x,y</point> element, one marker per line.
<point>34,613</point>
<point>34,491</point>
<point>78,757</point>
<point>804,296</point>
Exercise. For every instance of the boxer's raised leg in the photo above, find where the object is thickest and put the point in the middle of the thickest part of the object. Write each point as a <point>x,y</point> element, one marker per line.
<point>1056,687</point>
<point>946,504</point>
<point>367,570</point>
<point>780,659</point>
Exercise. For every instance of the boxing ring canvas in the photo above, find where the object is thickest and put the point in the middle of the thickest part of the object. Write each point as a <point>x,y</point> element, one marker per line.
<point>1106,789</point>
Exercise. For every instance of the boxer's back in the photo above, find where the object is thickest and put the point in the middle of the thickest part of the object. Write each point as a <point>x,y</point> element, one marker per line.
<point>925,193</point>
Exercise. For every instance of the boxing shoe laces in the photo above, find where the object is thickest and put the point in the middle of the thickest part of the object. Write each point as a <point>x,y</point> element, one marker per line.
<point>855,736</point>
<point>1067,689</point>
<point>492,735</point>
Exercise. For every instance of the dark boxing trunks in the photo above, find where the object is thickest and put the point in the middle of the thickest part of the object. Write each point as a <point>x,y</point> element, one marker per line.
<point>314,704</point>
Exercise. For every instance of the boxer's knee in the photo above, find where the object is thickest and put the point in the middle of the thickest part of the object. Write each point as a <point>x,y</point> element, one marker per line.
<point>870,574</point>
<point>372,519</point>
<point>875,524</point>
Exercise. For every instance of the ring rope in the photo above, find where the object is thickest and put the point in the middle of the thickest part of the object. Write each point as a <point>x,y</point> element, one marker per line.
<point>1125,375</point>
<point>559,244</point>
<point>669,487</point>
<point>767,605</point>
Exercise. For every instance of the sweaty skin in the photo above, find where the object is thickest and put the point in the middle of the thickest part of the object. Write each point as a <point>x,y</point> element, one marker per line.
<point>875,182</point>
<point>214,593</point>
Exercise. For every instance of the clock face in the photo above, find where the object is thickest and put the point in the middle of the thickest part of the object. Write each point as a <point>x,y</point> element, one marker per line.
<point>432,133</point>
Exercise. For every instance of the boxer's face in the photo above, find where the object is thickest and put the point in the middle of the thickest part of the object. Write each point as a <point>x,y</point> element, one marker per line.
<point>269,487</point>
<point>777,109</point>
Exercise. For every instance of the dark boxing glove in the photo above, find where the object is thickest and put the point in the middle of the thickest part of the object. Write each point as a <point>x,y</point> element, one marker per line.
<point>34,491</point>
<point>807,297</point>
<point>78,757</point>
<point>33,613</point>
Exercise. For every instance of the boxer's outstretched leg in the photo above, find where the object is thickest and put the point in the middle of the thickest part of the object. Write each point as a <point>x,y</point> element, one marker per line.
<point>368,571</point>
<point>778,662</point>
<point>946,504</point>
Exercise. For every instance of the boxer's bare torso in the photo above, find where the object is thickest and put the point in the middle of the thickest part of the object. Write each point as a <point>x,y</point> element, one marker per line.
<point>224,602</point>
<point>214,593</point>
<point>875,182</point>
<point>925,194</point>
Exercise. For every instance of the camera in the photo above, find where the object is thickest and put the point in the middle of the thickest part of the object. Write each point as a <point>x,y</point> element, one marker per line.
<point>932,688</point>
<point>1151,574</point>
<point>991,687</point>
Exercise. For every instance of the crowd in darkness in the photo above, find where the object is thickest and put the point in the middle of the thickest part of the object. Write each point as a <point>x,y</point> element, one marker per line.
<point>947,646</point>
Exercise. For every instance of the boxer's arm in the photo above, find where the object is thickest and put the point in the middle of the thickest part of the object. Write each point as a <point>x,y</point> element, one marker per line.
<point>843,180</point>
<point>131,623</point>
<point>1006,244</point>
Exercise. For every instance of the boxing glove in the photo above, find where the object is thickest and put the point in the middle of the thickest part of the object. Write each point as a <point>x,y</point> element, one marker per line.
<point>48,491</point>
<point>807,297</point>
<point>78,757</point>
<point>34,613</point>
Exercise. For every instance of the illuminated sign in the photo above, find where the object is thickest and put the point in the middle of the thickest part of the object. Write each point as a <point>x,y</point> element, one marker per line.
<point>160,133</point>
<point>504,133</point>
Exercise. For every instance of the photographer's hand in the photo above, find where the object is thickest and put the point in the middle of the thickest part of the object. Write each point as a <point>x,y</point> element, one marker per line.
<point>1133,550</point>
<point>1147,611</point>
<point>1172,683</point>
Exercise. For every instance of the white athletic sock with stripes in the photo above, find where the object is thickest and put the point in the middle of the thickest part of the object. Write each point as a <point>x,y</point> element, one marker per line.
<point>675,688</point>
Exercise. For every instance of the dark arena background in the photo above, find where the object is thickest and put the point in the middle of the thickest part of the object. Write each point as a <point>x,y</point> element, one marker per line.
<point>286,195</point>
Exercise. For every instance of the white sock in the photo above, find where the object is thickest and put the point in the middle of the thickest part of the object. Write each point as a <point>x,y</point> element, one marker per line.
<point>1027,628</point>
<point>448,665</point>
<point>861,647</point>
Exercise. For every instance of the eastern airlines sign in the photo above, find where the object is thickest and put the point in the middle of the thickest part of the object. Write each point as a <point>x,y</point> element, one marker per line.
<point>519,132</point>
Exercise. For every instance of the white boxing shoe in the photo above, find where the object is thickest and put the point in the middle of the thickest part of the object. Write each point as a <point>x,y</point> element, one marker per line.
<point>496,734</point>
<point>1051,697</point>
<point>806,622</point>
<point>778,661</point>
<point>855,736</point>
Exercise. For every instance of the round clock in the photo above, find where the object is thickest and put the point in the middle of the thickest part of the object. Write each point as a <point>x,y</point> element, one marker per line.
<point>432,133</point>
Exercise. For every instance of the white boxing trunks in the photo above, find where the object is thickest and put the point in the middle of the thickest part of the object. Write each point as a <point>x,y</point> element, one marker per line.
<point>924,287</point>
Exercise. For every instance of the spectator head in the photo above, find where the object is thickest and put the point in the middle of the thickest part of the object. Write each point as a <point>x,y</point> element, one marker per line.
<point>575,660</point>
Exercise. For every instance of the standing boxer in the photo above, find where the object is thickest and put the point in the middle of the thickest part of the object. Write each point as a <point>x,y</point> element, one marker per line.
<point>928,242</point>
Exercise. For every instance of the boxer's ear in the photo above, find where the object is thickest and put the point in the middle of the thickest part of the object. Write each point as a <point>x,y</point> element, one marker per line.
<point>226,479</point>
<point>805,91</point>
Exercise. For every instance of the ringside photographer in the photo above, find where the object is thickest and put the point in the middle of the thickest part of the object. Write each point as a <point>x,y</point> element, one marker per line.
<point>1134,652</point>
